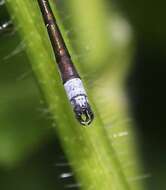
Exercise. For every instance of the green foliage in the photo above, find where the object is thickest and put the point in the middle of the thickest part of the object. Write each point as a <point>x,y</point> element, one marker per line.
<point>102,155</point>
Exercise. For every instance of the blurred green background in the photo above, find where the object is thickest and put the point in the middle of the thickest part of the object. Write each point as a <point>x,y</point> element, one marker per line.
<point>119,48</point>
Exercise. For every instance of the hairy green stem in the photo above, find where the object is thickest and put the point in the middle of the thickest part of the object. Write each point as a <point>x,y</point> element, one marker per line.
<point>92,157</point>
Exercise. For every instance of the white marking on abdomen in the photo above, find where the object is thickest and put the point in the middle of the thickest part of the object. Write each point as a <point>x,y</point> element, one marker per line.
<point>75,91</point>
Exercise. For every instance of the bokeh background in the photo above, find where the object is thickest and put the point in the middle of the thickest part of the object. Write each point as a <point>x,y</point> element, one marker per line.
<point>121,47</point>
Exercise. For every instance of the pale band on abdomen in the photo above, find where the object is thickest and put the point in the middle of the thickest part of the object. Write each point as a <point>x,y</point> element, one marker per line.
<point>74,88</point>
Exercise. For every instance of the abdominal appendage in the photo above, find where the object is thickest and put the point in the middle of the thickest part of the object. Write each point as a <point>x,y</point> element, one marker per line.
<point>79,101</point>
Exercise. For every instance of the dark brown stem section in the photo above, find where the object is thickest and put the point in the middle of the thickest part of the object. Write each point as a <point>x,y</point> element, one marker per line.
<point>66,67</point>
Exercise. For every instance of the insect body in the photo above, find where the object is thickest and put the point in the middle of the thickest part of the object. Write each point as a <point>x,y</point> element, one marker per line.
<point>72,83</point>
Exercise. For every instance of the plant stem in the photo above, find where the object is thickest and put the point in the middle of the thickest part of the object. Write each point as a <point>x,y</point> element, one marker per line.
<point>92,157</point>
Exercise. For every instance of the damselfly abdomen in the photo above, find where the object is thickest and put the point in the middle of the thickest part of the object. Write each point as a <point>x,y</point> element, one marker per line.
<point>72,83</point>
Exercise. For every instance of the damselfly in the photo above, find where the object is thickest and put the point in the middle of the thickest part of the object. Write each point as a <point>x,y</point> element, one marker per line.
<point>72,83</point>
